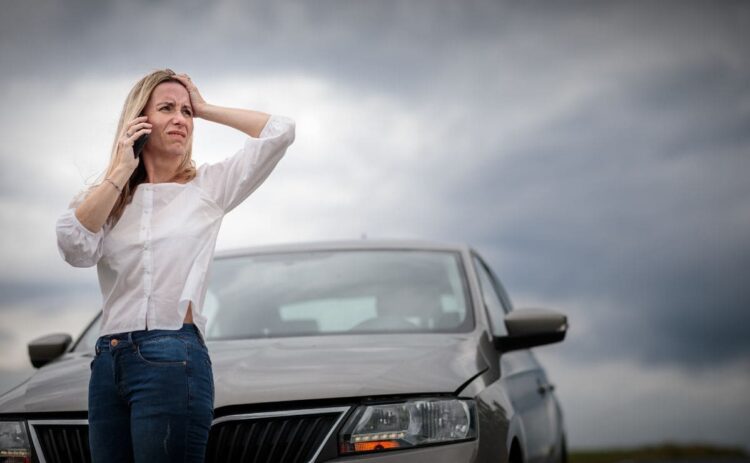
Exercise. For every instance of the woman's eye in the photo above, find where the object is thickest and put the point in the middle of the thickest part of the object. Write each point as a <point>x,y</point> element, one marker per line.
<point>188,112</point>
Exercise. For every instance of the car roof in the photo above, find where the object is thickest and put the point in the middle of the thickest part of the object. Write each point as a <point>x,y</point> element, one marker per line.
<point>363,244</point>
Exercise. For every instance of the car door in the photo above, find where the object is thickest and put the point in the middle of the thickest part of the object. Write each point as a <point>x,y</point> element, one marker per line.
<point>521,375</point>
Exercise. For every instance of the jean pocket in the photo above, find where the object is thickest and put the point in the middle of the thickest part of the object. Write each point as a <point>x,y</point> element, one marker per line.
<point>163,351</point>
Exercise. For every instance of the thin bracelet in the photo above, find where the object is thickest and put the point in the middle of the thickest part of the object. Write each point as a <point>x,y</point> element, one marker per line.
<point>119,190</point>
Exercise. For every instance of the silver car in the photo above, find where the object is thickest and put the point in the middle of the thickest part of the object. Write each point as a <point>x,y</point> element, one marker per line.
<point>360,351</point>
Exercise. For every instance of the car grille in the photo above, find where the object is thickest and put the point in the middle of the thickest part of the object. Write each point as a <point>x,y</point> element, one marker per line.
<point>271,438</point>
<point>277,437</point>
<point>62,441</point>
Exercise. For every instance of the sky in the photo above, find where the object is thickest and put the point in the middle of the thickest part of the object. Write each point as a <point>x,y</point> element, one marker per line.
<point>595,153</point>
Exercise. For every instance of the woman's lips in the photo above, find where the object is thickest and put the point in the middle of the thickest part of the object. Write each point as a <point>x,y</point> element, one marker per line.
<point>179,134</point>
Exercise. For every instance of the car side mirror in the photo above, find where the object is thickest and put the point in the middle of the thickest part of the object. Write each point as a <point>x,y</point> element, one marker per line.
<point>47,348</point>
<point>530,328</point>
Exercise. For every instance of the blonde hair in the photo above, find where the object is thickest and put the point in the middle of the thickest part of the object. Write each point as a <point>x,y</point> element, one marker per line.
<point>134,105</point>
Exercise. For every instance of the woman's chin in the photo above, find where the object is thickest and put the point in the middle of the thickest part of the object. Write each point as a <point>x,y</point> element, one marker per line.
<point>170,152</point>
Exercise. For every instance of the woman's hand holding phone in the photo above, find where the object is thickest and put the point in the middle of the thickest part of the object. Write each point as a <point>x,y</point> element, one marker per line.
<point>133,138</point>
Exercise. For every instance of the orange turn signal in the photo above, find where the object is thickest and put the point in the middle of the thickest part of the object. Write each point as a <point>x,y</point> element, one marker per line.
<point>376,445</point>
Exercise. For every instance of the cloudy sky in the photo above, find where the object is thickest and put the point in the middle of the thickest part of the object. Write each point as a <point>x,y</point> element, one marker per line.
<point>596,154</point>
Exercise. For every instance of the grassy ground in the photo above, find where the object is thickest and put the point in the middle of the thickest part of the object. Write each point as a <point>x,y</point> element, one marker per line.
<point>662,452</point>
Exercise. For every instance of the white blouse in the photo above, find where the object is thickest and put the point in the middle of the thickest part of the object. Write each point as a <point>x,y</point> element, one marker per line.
<point>157,259</point>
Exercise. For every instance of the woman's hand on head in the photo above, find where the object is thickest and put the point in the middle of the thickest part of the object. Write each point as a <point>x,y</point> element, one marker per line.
<point>133,130</point>
<point>196,100</point>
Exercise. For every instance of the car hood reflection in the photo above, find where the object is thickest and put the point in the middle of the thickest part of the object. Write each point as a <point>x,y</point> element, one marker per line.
<point>288,369</point>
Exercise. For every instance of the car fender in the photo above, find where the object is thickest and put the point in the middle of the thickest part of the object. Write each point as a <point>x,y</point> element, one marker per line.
<point>516,432</point>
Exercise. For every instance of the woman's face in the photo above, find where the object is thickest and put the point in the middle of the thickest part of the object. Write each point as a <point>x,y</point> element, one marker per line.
<point>170,112</point>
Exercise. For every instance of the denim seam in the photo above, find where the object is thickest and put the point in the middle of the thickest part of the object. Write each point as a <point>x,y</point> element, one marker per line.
<point>161,364</point>
<point>123,394</point>
<point>189,380</point>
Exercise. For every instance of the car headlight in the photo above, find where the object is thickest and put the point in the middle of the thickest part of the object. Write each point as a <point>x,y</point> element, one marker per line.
<point>14,442</point>
<point>408,424</point>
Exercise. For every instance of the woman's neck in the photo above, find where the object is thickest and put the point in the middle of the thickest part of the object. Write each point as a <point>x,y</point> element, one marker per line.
<point>160,170</point>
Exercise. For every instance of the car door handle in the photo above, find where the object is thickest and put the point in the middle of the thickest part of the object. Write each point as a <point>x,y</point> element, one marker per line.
<point>543,388</point>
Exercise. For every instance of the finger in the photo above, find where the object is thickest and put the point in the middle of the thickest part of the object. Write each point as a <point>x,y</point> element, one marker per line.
<point>139,126</point>
<point>137,120</point>
<point>132,128</point>
<point>185,79</point>
<point>136,134</point>
<point>130,139</point>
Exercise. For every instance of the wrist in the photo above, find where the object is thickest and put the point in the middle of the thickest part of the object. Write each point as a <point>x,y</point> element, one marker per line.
<point>120,175</point>
<point>204,110</point>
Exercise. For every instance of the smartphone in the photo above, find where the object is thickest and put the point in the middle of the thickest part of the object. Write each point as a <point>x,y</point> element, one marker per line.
<point>139,144</point>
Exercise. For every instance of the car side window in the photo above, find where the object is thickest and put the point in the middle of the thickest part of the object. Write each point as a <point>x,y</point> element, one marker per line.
<point>492,299</point>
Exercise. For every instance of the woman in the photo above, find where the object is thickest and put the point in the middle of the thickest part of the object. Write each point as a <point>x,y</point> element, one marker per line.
<point>150,227</point>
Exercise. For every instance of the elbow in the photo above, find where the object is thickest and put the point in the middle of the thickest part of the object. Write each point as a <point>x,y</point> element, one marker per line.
<point>78,252</point>
<point>77,245</point>
<point>290,132</point>
<point>76,258</point>
<point>79,262</point>
<point>280,128</point>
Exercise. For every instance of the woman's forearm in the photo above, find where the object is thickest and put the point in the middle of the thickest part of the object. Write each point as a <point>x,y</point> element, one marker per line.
<point>94,210</point>
<point>245,120</point>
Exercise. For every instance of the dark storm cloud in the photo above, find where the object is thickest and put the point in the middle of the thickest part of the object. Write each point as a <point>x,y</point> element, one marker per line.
<point>639,200</point>
<point>36,38</point>
<point>468,49</point>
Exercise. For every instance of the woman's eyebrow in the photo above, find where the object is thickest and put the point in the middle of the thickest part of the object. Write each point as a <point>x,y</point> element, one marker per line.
<point>172,103</point>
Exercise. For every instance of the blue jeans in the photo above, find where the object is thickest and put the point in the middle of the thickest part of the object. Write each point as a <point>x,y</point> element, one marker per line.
<point>151,397</point>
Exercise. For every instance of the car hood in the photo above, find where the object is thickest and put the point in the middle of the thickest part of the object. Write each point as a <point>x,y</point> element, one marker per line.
<point>288,369</point>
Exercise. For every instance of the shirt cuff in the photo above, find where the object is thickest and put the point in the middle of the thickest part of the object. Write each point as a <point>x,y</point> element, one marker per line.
<point>275,125</point>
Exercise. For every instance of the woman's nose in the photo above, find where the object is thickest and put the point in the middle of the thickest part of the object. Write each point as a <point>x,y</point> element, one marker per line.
<point>178,119</point>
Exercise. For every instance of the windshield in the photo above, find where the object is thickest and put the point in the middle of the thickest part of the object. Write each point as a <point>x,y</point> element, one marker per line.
<point>335,292</point>
<point>308,293</point>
